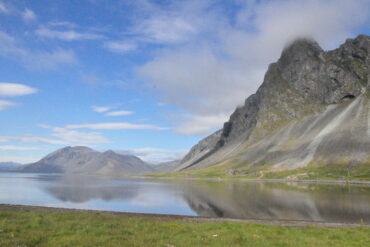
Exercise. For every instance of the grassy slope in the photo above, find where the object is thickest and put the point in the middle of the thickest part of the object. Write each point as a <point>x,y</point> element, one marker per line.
<point>40,227</point>
<point>311,172</point>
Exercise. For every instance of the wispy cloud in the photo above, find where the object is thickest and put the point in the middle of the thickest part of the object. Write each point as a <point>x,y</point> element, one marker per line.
<point>3,8</point>
<point>58,136</point>
<point>70,137</point>
<point>120,46</point>
<point>78,137</point>
<point>35,59</point>
<point>160,26</point>
<point>14,89</point>
<point>155,155</point>
<point>201,124</point>
<point>31,139</point>
<point>5,104</point>
<point>165,29</point>
<point>65,24</point>
<point>115,126</point>
<point>67,35</point>
<point>108,112</point>
<point>28,15</point>
<point>119,113</point>
<point>18,148</point>
<point>101,109</point>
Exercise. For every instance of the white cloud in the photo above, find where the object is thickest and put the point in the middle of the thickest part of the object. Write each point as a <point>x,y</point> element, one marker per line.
<point>119,113</point>
<point>115,126</point>
<point>224,61</point>
<point>72,137</point>
<point>172,23</point>
<point>155,155</point>
<point>101,109</point>
<point>201,124</point>
<point>5,104</point>
<point>14,89</point>
<point>77,137</point>
<point>17,148</point>
<point>35,59</point>
<point>50,59</point>
<point>28,15</point>
<point>31,139</point>
<point>120,46</point>
<point>165,29</point>
<point>67,35</point>
<point>60,136</point>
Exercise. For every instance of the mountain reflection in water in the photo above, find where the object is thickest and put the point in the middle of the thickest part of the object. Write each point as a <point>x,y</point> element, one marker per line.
<point>244,200</point>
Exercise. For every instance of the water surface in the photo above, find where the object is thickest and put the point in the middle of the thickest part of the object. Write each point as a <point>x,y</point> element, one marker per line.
<point>244,200</point>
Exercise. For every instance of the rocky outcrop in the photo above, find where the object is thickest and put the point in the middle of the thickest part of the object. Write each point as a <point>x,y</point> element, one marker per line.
<point>84,160</point>
<point>306,87</point>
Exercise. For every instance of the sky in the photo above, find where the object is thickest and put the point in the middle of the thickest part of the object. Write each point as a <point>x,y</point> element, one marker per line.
<point>150,78</point>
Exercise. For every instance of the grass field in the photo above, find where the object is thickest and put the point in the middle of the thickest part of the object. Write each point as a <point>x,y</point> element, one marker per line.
<point>24,226</point>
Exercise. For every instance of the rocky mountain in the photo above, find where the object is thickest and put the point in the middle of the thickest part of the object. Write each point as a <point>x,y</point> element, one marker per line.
<point>312,108</point>
<point>168,166</point>
<point>88,161</point>
<point>6,166</point>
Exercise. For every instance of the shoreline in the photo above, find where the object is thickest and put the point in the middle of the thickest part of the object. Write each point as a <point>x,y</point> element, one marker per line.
<point>186,218</point>
<point>278,180</point>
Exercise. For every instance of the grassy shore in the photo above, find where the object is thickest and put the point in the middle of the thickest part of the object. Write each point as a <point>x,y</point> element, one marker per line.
<point>32,226</point>
<point>341,172</point>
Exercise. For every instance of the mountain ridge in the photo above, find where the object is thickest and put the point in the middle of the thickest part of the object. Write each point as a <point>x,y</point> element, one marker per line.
<point>303,83</point>
<point>84,160</point>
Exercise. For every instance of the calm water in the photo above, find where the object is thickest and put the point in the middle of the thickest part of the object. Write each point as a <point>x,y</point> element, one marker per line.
<point>258,200</point>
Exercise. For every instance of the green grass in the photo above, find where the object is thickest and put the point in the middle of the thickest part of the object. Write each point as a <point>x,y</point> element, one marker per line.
<point>311,172</point>
<point>44,227</point>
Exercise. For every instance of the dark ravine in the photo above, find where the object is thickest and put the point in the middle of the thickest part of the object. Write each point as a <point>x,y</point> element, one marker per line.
<point>312,108</point>
<point>84,160</point>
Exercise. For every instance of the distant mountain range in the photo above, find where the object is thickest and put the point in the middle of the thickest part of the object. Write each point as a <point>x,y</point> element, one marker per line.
<point>84,160</point>
<point>313,108</point>
<point>5,166</point>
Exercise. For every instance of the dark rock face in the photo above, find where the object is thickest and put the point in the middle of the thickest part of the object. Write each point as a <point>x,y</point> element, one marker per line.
<point>87,160</point>
<point>203,147</point>
<point>303,82</point>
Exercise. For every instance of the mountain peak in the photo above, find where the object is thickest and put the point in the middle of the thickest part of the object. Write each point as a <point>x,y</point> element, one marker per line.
<point>82,159</point>
<point>304,85</point>
<point>81,148</point>
<point>299,49</point>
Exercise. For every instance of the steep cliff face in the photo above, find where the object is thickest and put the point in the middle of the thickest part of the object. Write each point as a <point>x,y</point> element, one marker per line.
<point>306,88</point>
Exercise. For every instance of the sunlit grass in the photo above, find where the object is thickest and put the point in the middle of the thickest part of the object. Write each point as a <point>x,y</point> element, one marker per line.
<point>311,172</point>
<point>40,227</point>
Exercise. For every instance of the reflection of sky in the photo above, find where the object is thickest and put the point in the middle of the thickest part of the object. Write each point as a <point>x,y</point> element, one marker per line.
<point>29,189</point>
<point>332,203</point>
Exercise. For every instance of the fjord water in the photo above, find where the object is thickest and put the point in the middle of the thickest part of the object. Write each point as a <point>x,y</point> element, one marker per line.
<point>230,199</point>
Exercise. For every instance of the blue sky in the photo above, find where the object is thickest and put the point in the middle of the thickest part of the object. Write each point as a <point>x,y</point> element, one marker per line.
<point>146,77</point>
